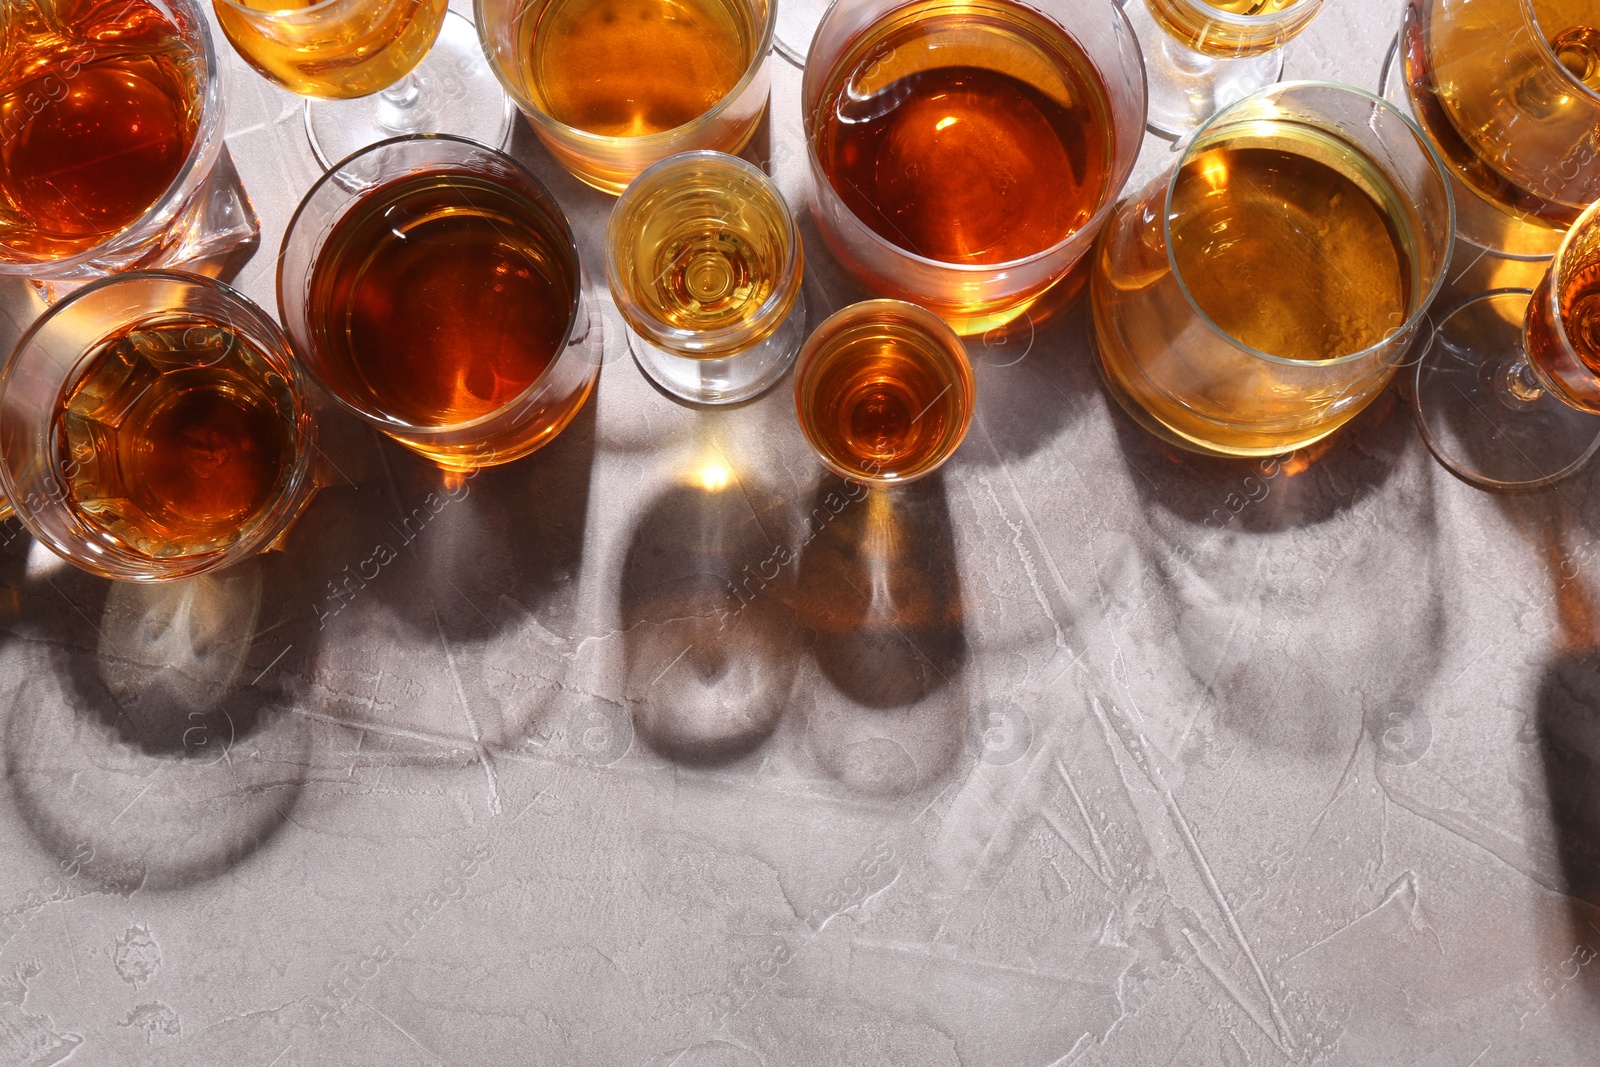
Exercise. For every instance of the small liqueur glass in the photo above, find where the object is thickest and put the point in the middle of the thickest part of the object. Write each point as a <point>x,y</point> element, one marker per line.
<point>884,392</point>
<point>372,69</point>
<point>1202,55</point>
<point>1508,393</point>
<point>113,159</point>
<point>1256,296</point>
<point>705,264</point>
<point>155,426</point>
<point>965,153</point>
<point>614,86</point>
<point>433,288</point>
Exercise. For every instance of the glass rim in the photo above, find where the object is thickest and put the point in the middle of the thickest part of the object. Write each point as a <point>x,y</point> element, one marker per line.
<point>1532,15</point>
<point>824,185</point>
<point>1557,263</point>
<point>783,295</point>
<point>1283,16</point>
<point>333,175</point>
<point>1426,300</point>
<point>935,327</point>
<point>298,485</point>
<point>261,14</point>
<point>207,145</point>
<point>540,117</point>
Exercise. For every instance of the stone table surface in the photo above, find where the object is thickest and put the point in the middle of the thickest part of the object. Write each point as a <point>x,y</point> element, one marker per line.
<point>1080,752</point>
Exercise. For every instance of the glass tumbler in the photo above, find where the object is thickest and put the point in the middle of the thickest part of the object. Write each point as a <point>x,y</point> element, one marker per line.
<point>1255,297</point>
<point>433,288</point>
<point>613,86</point>
<point>964,153</point>
<point>884,392</point>
<point>154,426</point>
<point>705,264</point>
<point>111,146</point>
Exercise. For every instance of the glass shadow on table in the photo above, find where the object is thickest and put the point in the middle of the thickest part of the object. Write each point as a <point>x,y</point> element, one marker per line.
<point>711,642</point>
<point>879,588</point>
<point>152,735</point>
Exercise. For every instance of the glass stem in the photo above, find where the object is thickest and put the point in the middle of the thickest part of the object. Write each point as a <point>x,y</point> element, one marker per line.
<point>397,105</point>
<point>1518,384</point>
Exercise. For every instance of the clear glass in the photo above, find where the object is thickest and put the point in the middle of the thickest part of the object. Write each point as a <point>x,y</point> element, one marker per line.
<point>204,213</point>
<point>703,226</point>
<point>884,392</point>
<point>1507,396</point>
<point>1189,381</point>
<point>635,78</point>
<point>975,298</point>
<point>36,470</point>
<point>1202,56</point>
<point>535,416</point>
<point>372,69</point>
<point>1512,115</point>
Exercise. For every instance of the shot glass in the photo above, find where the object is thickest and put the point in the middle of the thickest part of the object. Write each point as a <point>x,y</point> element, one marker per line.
<point>1339,223</point>
<point>705,264</point>
<point>884,392</point>
<point>614,86</point>
<point>433,288</point>
<point>964,153</point>
<point>113,157</point>
<point>154,426</point>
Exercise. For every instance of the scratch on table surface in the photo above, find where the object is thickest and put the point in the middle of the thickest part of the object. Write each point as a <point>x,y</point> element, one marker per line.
<point>1094,834</point>
<point>408,1035</point>
<point>1053,821</point>
<point>472,723</point>
<point>1073,1052</point>
<point>1403,889</point>
<point>131,803</point>
<point>1466,831</point>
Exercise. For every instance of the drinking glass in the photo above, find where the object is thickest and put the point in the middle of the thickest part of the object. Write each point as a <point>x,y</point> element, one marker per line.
<point>1255,297</point>
<point>1508,93</point>
<point>705,264</point>
<point>111,145</point>
<point>964,153</point>
<point>1202,55</point>
<point>1508,393</point>
<point>154,426</point>
<point>613,86</point>
<point>371,69</point>
<point>432,287</point>
<point>884,392</point>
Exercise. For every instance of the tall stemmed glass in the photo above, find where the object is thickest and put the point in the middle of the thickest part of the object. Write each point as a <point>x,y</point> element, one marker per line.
<point>1507,395</point>
<point>1508,92</point>
<point>1202,55</point>
<point>372,69</point>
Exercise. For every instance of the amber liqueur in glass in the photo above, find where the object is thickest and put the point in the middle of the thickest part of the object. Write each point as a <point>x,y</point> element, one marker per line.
<point>1299,222</point>
<point>345,49</point>
<point>175,437</point>
<point>973,134</point>
<point>885,399</point>
<point>440,298</point>
<point>1567,360</point>
<point>1187,21</point>
<point>631,68</point>
<point>99,108</point>
<point>1468,113</point>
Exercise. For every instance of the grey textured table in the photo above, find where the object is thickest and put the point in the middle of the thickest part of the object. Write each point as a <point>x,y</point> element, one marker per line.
<point>1078,753</point>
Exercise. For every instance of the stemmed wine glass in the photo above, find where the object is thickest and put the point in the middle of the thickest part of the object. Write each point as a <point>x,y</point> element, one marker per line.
<point>1508,93</point>
<point>1202,55</point>
<point>1508,393</point>
<point>372,69</point>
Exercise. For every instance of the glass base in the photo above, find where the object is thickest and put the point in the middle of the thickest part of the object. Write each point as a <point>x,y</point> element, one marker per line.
<point>1478,221</point>
<point>797,24</point>
<point>452,90</point>
<point>1482,414</point>
<point>1186,88</point>
<point>724,381</point>
<point>214,234</point>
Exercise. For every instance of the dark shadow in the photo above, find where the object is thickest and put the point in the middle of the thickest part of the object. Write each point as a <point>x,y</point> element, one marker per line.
<point>711,644</point>
<point>154,724</point>
<point>1567,720</point>
<point>879,588</point>
<point>1273,494</point>
<point>878,585</point>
